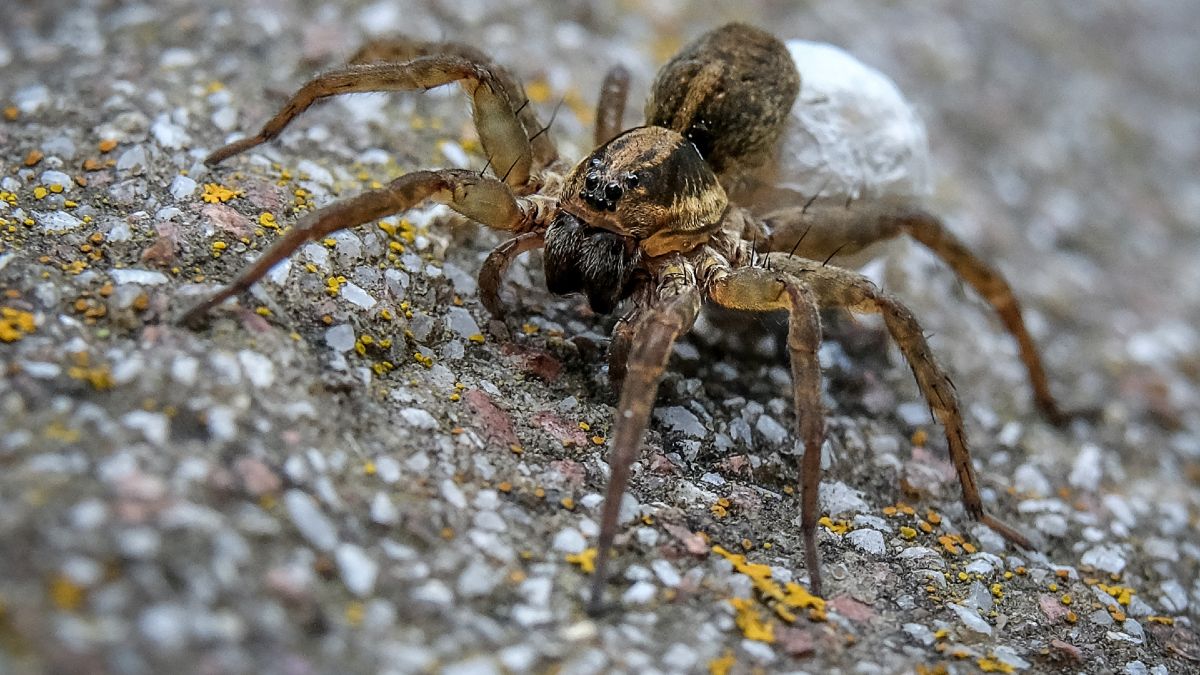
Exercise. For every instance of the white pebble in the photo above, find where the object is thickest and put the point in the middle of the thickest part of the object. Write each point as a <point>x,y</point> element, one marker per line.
<point>383,511</point>
<point>168,134</point>
<point>639,593</point>
<point>460,321</point>
<point>1086,471</point>
<point>569,540</point>
<point>182,187</point>
<point>258,368</point>
<point>680,419</point>
<point>867,540</point>
<point>139,277</point>
<point>132,160</point>
<point>419,419</point>
<point>358,570</point>
<point>453,494</point>
<point>340,338</point>
<point>666,573</point>
<point>308,518</point>
<point>772,431</point>
<point>56,221</point>
<point>225,118</point>
<point>1106,558</point>
<point>356,295</point>
<point>837,498</point>
<point>52,178</point>
<point>971,619</point>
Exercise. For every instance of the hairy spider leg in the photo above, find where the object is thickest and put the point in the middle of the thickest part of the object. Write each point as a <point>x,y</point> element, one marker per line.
<point>672,313</point>
<point>500,131</point>
<point>836,287</point>
<point>816,231</point>
<point>610,107</point>
<point>762,290</point>
<point>482,199</point>
<point>400,48</point>
<point>491,274</point>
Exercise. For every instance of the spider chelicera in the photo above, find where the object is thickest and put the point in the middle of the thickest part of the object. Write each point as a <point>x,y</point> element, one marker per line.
<point>645,222</point>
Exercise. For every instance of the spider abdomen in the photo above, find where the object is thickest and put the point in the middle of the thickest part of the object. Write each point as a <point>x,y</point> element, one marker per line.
<point>729,92</point>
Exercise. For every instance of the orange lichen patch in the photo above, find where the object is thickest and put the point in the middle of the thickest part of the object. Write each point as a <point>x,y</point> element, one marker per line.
<point>107,145</point>
<point>751,622</point>
<point>723,665</point>
<point>34,157</point>
<point>586,559</point>
<point>567,503</point>
<point>838,527</point>
<point>219,194</point>
<point>11,113</point>
<point>993,665</point>
<point>721,508</point>
<point>919,437</point>
<point>15,324</point>
<point>937,669</point>
<point>1164,620</point>
<point>955,544</point>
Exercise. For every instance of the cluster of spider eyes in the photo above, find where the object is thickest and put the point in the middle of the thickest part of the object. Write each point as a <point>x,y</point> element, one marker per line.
<point>613,191</point>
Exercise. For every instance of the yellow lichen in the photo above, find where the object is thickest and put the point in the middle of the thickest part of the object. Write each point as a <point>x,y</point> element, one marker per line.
<point>992,665</point>
<point>751,621</point>
<point>723,665</point>
<point>215,193</point>
<point>15,324</point>
<point>586,559</point>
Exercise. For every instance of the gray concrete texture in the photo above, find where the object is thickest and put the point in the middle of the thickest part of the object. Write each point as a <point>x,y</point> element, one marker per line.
<point>356,469</point>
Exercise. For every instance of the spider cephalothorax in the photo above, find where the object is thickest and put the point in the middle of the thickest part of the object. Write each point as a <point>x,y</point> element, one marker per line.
<point>645,220</point>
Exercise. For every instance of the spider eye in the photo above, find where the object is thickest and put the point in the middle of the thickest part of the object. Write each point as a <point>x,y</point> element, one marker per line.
<point>592,182</point>
<point>613,192</point>
<point>632,180</point>
<point>595,161</point>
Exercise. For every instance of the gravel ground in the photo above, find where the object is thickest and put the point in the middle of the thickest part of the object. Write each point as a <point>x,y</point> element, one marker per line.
<point>359,471</point>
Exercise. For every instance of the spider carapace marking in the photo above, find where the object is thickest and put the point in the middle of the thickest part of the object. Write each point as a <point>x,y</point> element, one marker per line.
<point>645,222</point>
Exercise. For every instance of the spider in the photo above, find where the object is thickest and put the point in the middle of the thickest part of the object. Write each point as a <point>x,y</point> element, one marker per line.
<point>645,222</point>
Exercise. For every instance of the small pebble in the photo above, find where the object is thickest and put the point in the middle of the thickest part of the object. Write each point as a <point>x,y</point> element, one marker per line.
<point>681,420</point>
<point>308,518</point>
<point>639,593</point>
<point>868,541</point>
<point>358,570</point>
<point>569,540</point>
<point>340,338</point>
<point>182,187</point>
<point>971,619</point>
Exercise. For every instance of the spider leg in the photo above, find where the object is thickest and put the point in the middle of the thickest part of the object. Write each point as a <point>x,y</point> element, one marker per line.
<point>610,108</point>
<point>485,200</point>
<point>758,289</point>
<point>837,287</point>
<point>399,48</point>
<point>818,231</point>
<point>494,266</point>
<point>618,349</point>
<point>501,133</point>
<point>655,333</point>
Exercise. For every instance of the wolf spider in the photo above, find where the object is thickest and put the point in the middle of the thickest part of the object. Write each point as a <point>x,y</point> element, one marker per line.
<point>645,218</point>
